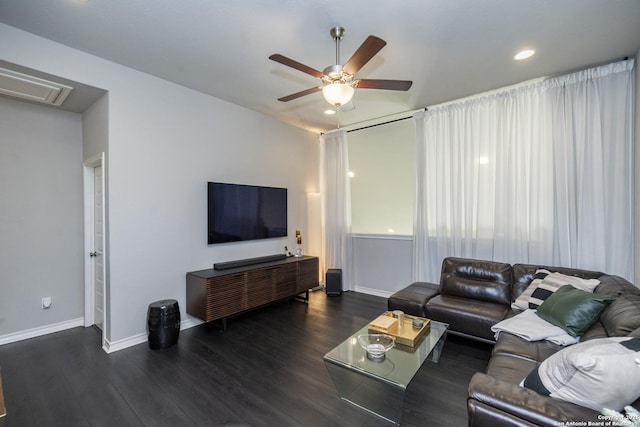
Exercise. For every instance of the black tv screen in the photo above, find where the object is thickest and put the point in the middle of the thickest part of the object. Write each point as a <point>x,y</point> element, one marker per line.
<point>245,212</point>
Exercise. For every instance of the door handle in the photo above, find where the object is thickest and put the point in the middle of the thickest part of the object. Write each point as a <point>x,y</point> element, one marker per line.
<point>93,254</point>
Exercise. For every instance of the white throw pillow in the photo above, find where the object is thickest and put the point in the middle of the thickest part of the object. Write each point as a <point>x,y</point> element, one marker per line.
<point>587,285</point>
<point>522,302</point>
<point>546,283</point>
<point>597,374</point>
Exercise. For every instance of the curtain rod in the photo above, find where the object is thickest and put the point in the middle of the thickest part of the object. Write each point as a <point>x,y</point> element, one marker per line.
<point>380,124</point>
<point>384,123</point>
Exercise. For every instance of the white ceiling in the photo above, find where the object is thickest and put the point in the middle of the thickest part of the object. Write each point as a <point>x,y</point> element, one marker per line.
<point>449,48</point>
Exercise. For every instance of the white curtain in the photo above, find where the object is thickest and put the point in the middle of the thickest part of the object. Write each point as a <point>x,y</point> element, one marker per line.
<point>592,114</point>
<point>540,174</point>
<point>336,204</point>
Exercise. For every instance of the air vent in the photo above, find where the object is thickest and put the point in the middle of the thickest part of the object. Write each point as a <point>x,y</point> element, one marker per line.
<point>31,88</point>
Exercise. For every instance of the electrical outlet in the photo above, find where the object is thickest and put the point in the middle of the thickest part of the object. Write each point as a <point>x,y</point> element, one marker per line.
<point>46,302</point>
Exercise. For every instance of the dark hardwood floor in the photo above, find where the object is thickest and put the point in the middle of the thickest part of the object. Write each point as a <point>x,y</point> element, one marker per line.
<point>266,370</point>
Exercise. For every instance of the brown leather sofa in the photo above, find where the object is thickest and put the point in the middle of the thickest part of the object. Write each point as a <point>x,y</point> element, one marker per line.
<point>472,296</point>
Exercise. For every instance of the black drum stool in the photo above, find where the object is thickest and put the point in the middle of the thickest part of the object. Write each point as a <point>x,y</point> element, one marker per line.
<point>163,323</point>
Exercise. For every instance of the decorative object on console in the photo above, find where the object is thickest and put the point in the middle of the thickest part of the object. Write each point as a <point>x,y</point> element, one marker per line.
<point>298,243</point>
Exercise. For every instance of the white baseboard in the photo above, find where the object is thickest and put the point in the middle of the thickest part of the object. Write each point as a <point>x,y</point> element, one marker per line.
<point>110,347</point>
<point>372,291</point>
<point>41,330</point>
<point>190,323</point>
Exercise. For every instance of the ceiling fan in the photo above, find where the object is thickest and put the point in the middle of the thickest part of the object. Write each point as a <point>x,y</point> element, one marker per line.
<point>338,81</point>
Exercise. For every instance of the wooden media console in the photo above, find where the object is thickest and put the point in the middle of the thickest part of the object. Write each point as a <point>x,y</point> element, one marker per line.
<point>219,294</point>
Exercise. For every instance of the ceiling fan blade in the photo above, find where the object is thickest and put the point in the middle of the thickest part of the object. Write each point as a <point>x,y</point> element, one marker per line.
<point>384,84</point>
<point>295,64</point>
<point>365,52</point>
<point>299,94</point>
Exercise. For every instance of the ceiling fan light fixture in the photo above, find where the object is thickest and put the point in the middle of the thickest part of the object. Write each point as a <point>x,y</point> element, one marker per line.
<point>337,93</point>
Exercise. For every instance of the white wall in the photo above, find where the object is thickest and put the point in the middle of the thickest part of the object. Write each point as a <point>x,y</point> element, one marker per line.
<point>637,172</point>
<point>95,128</point>
<point>165,143</point>
<point>382,264</point>
<point>41,232</point>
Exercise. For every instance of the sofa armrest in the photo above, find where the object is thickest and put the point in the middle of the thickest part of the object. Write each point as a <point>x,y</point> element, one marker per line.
<point>512,402</point>
<point>413,298</point>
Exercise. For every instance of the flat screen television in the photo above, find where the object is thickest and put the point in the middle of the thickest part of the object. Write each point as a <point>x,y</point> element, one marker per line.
<point>239,212</point>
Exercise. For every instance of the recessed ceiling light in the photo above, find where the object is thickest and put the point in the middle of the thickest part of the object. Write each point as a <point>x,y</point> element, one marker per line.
<point>329,112</point>
<point>524,54</point>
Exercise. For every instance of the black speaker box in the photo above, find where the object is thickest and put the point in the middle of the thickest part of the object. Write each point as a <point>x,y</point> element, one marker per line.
<point>333,282</point>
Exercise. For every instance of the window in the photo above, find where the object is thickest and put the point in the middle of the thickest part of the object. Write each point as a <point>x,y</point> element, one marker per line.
<point>382,165</point>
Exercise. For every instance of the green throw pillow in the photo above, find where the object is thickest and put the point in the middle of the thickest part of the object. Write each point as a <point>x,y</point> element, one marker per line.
<point>573,310</point>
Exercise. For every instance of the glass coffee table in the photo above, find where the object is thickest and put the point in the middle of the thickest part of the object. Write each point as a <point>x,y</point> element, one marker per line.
<point>378,387</point>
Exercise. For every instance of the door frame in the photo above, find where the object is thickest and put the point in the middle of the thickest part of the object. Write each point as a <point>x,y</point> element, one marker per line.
<point>89,166</point>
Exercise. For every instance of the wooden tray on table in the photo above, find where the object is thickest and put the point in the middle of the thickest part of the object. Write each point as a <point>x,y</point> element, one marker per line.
<point>407,336</point>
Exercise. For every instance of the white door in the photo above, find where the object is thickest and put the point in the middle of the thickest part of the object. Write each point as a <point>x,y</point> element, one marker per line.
<point>98,247</point>
<point>95,244</point>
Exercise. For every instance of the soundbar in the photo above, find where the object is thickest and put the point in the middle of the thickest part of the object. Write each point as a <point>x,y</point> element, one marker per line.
<point>249,261</point>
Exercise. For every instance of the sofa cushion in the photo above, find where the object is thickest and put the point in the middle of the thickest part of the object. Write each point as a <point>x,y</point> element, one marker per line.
<point>574,310</point>
<point>614,286</point>
<point>412,299</point>
<point>597,374</point>
<point>546,283</point>
<point>481,280</point>
<point>513,345</point>
<point>623,316</point>
<point>509,368</point>
<point>596,331</point>
<point>465,315</point>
